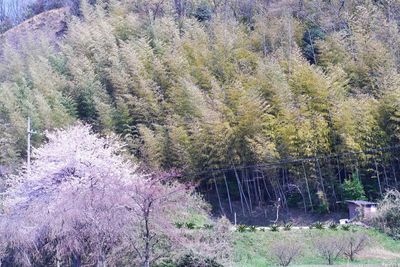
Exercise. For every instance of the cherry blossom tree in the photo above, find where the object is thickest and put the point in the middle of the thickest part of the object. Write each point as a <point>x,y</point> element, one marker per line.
<point>84,203</point>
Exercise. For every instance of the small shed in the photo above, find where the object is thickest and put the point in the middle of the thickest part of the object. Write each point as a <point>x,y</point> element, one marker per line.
<point>361,209</point>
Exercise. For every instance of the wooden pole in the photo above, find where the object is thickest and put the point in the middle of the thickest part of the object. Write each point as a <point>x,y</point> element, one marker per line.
<point>28,152</point>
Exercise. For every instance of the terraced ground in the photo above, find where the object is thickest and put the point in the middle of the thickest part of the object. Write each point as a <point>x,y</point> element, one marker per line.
<point>252,249</point>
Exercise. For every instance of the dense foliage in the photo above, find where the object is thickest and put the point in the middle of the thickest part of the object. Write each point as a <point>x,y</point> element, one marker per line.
<point>188,85</point>
<point>388,216</point>
<point>353,189</point>
<point>193,84</point>
<point>83,202</point>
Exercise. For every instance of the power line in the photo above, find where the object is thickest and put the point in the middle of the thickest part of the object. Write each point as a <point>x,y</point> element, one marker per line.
<point>298,160</point>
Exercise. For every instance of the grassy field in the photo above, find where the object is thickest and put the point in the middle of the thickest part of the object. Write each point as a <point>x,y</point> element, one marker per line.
<point>251,248</point>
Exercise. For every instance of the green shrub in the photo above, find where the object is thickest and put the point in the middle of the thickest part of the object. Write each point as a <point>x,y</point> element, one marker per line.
<point>333,226</point>
<point>208,226</point>
<point>179,225</point>
<point>287,226</point>
<point>252,228</point>
<point>353,189</point>
<point>319,225</point>
<point>274,227</point>
<point>294,199</point>
<point>190,225</point>
<point>346,227</point>
<point>323,206</point>
<point>191,260</point>
<point>241,228</point>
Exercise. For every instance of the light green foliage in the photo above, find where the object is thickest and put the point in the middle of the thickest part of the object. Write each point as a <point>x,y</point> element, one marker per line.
<point>254,249</point>
<point>353,189</point>
<point>29,87</point>
<point>210,82</point>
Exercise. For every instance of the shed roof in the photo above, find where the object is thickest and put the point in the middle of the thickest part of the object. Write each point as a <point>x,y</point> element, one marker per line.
<point>360,202</point>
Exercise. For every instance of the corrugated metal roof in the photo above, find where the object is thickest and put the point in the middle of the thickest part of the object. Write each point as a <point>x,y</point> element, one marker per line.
<point>361,202</point>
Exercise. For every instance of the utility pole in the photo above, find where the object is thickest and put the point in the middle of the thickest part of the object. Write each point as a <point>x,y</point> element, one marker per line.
<point>28,152</point>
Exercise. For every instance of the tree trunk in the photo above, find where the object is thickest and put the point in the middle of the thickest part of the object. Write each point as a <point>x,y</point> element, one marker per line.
<point>386,177</point>
<point>394,175</point>
<point>76,261</point>
<point>147,235</point>
<point>102,261</point>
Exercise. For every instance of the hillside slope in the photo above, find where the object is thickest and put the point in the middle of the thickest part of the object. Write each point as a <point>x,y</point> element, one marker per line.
<point>207,84</point>
<point>51,24</point>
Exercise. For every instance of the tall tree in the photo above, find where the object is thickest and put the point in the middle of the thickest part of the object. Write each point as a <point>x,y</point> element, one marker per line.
<point>73,207</point>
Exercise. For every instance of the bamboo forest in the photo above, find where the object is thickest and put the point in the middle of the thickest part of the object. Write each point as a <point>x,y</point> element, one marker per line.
<point>174,133</point>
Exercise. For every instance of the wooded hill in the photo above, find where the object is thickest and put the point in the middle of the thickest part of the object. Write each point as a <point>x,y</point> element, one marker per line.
<point>194,84</point>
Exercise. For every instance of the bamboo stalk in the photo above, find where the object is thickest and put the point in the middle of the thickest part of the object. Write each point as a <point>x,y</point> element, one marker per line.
<point>241,193</point>
<point>377,176</point>
<point>229,194</point>
<point>219,198</point>
<point>308,188</point>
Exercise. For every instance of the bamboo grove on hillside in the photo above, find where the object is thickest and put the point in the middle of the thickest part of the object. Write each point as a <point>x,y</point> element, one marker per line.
<point>316,184</point>
<point>194,85</point>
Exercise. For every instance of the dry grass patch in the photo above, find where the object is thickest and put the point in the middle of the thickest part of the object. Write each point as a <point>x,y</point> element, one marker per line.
<point>378,253</point>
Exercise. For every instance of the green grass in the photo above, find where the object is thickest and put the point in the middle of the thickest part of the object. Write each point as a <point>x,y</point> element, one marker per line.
<point>251,249</point>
